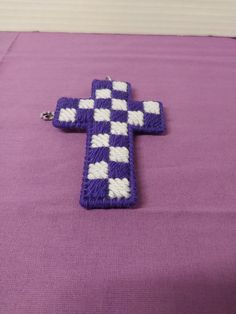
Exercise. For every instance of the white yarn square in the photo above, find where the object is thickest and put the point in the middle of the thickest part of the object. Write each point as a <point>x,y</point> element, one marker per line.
<point>151,107</point>
<point>121,86</point>
<point>119,154</point>
<point>86,103</point>
<point>99,170</point>
<point>102,114</point>
<point>119,188</point>
<point>103,93</point>
<point>100,140</point>
<point>67,115</point>
<point>135,118</point>
<point>118,104</point>
<point>119,128</point>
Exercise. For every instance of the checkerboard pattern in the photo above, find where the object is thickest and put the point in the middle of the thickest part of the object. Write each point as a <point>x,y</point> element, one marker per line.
<point>111,118</point>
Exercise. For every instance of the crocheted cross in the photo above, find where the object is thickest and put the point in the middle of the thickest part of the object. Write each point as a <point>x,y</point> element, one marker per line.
<point>111,118</point>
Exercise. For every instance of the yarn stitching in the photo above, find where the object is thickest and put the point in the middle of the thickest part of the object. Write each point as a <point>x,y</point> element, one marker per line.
<point>111,118</point>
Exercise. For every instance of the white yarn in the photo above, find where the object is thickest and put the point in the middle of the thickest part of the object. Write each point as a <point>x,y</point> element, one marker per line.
<point>135,118</point>
<point>103,93</point>
<point>119,188</point>
<point>67,115</point>
<point>99,170</point>
<point>119,128</point>
<point>119,104</point>
<point>119,154</point>
<point>121,86</point>
<point>102,115</point>
<point>151,107</point>
<point>100,140</point>
<point>86,103</point>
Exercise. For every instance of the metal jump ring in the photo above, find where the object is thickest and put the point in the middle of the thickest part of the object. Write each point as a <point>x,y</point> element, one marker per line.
<point>47,115</point>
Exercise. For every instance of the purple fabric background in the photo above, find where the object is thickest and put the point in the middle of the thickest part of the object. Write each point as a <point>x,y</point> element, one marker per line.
<point>175,253</point>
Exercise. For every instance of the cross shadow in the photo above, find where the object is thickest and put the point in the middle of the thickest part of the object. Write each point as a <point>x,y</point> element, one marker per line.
<point>136,160</point>
<point>73,131</point>
<point>151,295</point>
<point>199,295</point>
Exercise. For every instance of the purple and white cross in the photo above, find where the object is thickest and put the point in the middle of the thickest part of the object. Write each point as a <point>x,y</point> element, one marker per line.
<point>111,118</point>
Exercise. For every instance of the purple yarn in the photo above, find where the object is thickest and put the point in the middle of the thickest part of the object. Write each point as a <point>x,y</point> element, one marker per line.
<point>100,192</point>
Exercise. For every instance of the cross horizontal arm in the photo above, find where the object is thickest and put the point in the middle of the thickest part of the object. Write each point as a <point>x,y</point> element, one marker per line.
<point>73,113</point>
<point>146,116</point>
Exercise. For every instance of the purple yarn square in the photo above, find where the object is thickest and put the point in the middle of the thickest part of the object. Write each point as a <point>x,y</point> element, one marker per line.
<point>136,106</point>
<point>120,95</point>
<point>101,127</point>
<point>103,103</point>
<point>118,170</point>
<point>84,116</point>
<point>119,115</point>
<point>98,154</point>
<point>96,188</point>
<point>119,140</point>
